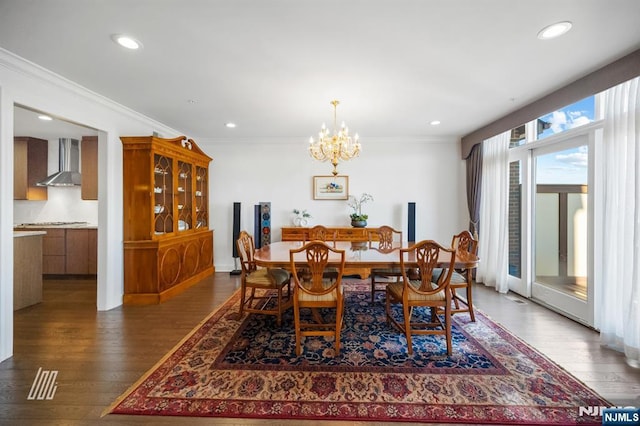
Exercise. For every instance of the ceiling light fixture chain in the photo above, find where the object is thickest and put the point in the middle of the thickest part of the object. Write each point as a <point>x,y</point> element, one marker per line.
<point>339,146</point>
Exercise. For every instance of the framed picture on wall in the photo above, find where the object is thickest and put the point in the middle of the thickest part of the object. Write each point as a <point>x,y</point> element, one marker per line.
<point>331,187</point>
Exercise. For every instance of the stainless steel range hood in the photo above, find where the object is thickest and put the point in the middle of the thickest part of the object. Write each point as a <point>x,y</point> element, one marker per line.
<point>69,165</point>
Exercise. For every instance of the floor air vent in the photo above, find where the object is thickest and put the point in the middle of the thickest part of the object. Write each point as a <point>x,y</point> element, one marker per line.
<point>517,300</point>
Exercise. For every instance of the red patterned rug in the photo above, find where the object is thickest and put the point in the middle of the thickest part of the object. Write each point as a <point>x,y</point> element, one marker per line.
<point>247,368</point>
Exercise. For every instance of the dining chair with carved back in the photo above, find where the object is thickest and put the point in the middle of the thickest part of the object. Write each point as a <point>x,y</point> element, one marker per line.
<point>317,292</point>
<point>322,233</point>
<point>462,278</point>
<point>266,280</point>
<point>383,239</point>
<point>426,291</point>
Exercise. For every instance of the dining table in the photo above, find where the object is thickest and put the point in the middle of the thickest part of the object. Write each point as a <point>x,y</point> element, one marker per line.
<point>357,255</point>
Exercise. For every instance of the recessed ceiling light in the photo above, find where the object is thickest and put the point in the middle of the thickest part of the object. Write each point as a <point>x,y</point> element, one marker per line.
<point>126,41</point>
<point>435,122</point>
<point>554,30</point>
<point>192,101</point>
<point>45,117</point>
<point>230,125</point>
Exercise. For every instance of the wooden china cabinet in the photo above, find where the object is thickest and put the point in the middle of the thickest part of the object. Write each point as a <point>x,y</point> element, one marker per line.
<point>168,245</point>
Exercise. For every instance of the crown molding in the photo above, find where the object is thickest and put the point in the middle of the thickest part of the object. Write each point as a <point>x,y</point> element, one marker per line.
<point>19,65</point>
<point>302,141</point>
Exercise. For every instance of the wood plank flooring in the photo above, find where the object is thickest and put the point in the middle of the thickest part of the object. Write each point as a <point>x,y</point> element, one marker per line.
<point>98,355</point>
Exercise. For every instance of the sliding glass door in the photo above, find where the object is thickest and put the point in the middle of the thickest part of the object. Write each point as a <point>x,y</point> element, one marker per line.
<point>561,230</point>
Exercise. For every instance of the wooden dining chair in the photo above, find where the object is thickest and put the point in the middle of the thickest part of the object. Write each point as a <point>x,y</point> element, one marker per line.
<point>267,280</point>
<point>463,278</point>
<point>422,292</point>
<point>322,233</point>
<point>317,292</point>
<point>383,239</point>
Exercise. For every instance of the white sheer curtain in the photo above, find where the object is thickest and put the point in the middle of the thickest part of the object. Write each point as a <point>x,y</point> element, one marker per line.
<point>618,299</point>
<point>494,213</point>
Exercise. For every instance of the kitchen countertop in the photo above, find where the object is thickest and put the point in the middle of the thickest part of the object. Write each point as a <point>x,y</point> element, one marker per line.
<point>18,234</point>
<point>55,225</point>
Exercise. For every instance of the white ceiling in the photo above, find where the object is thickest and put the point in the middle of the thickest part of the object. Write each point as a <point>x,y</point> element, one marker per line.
<point>272,66</point>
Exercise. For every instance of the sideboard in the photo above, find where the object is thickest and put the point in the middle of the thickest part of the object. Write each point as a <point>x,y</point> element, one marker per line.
<point>343,234</point>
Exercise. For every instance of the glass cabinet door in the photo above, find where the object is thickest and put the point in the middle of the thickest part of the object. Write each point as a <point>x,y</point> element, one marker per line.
<point>201,197</point>
<point>184,196</point>
<point>163,195</point>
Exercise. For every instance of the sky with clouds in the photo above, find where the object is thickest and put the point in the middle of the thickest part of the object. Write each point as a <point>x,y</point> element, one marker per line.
<point>569,166</point>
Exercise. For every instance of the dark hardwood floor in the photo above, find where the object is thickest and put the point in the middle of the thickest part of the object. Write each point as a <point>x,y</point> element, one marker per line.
<point>98,355</point>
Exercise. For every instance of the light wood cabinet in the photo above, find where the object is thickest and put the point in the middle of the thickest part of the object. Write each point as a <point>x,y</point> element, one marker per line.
<point>89,164</point>
<point>81,251</point>
<point>30,157</point>
<point>343,234</point>
<point>54,252</point>
<point>168,245</point>
<point>68,251</point>
<point>27,270</point>
<point>92,258</point>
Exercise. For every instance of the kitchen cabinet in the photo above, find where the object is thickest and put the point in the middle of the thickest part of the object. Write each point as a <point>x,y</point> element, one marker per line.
<point>68,251</point>
<point>168,245</point>
<point>27,269</point>
<point>54,252</point>
<point>80,251</point>
<point>30,157</point>
<point>89,167</point>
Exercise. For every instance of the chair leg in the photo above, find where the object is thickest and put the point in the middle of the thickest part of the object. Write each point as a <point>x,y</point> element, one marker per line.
<point>455,298</point>
<point>447,326</point>
<point>470,303</point>
<point>407,327</point>
<point>279,316</point>
<point>338,325</point>
<point>296,321</point>
<point>243,290</point>
<point>388,307</point>
<point>373,288</point>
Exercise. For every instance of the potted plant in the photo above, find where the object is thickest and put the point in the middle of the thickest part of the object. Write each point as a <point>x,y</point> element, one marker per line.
<point>301,217</point>
<point>358,219</point>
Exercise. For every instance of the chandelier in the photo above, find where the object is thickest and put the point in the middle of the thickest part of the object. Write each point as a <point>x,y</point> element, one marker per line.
<point>339,146</point>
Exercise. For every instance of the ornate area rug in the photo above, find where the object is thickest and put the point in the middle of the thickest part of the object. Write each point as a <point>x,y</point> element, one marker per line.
<point>247,368</point>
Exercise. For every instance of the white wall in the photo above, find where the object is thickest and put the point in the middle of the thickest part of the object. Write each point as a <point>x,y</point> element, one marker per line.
<point>429,173</point>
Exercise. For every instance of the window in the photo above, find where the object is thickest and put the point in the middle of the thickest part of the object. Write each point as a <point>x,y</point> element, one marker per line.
<point>518,136</point>
<point>569,117</point>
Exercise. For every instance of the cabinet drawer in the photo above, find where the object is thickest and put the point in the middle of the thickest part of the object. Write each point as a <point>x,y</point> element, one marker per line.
<point>355,234</point>
<point>294,234</point>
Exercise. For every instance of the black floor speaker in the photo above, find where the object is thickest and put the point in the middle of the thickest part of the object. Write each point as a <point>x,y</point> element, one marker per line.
<point>257,241</point>
<point>411,227</point>
<point>236,234</point>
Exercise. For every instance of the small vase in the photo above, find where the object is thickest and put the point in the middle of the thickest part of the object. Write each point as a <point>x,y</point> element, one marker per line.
<point>300,221</point>
<point>358,223</point>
